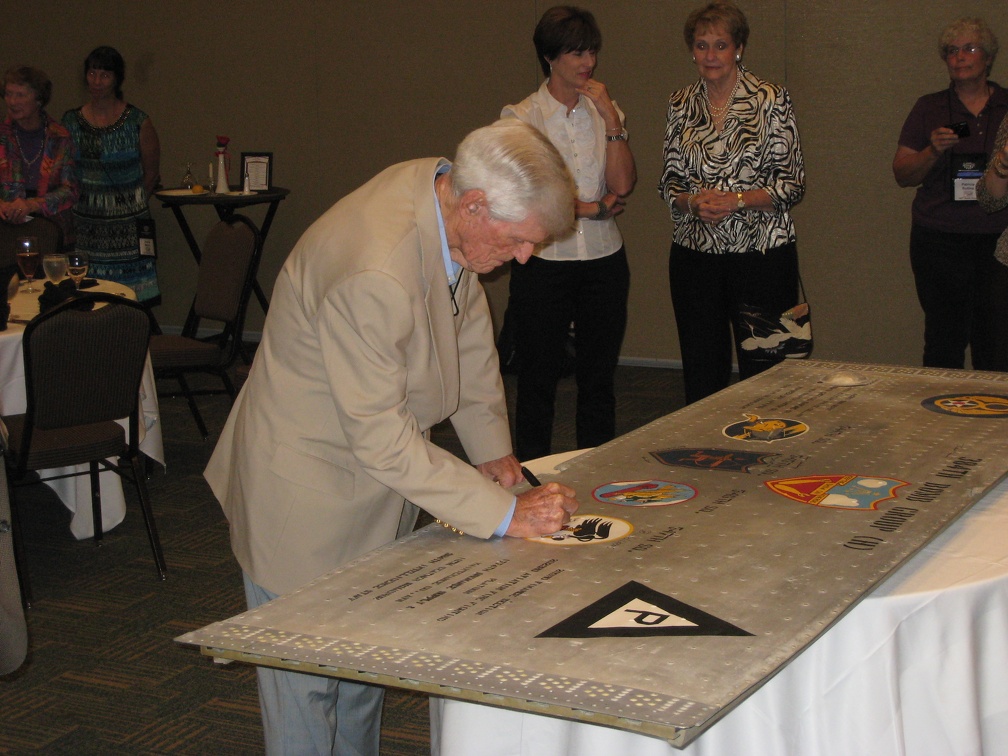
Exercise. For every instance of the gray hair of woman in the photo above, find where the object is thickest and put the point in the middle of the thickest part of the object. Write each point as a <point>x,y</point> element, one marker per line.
<point>33,78</point>
<point>520,172</point>
<point>726,15</point>
<point>970,27</point>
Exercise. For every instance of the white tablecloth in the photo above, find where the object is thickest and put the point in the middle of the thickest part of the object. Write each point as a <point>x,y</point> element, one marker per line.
<point>74,491</point>
<point>919,667</point>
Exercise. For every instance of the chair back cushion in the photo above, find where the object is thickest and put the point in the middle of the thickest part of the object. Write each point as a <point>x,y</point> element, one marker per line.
<point>84,366</point>
<point>225,278</point>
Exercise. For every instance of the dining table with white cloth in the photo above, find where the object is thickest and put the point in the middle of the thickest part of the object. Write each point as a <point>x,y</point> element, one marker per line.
<point>919,666</point>
<point>75,492</point>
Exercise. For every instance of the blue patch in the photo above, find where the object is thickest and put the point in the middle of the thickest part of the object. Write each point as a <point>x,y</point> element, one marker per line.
<point>712,458</point>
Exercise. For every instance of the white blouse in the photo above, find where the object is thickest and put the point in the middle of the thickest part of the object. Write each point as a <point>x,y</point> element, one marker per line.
<point>580,138</point>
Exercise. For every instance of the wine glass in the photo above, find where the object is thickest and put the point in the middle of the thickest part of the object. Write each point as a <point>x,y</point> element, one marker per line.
<point>55,267</point>
<point>28,259</point>
<point>77,266</point>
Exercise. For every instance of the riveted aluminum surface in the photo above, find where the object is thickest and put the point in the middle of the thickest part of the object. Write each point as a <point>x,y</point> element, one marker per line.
<point>792,495</point>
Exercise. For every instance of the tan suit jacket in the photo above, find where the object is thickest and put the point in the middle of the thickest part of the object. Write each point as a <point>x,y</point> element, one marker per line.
<point>361,354</point>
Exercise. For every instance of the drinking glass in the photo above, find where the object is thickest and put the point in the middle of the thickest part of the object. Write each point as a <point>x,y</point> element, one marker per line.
<point>55,267</point>
<point>77,266</point>
<point>28,259</point>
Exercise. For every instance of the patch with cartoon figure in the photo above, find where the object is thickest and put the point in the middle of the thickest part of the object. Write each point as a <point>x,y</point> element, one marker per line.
<point>712,459</point>
<point>586,529</point>
<point>644,493</point>
<point>968,405</point>
<point>768,429</point>
<point>837,491</point>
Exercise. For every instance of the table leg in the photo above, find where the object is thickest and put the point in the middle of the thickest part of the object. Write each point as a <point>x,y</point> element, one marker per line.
<point>187,233</point>
<point>263,302</point>
<point>263,231</point>
<point>226,212</point>
<point>223,213</point>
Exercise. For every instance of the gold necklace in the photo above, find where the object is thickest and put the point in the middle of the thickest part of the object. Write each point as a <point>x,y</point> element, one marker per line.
<point>24,157</point>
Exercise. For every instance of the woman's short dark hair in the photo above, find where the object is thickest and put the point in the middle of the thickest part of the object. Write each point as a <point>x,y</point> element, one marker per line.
<point>107,58</point>
<point>33,78</point>
<point>722,14</point>
<point>563,29</point>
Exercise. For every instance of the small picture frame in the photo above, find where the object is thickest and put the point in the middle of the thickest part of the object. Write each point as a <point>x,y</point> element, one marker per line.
<point>258,166</point>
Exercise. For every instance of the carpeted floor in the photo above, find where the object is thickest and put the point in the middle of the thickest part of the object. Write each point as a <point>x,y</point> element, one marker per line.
<point>103,673</point>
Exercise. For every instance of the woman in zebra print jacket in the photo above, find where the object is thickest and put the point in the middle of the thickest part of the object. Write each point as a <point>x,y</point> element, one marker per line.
<point>733,169</point>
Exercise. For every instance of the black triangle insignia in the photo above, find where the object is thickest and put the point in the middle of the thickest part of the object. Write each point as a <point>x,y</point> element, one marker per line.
<point>633,611</point>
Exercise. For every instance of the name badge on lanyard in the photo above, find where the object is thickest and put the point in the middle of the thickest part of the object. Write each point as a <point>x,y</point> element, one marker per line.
<point>967,168</point>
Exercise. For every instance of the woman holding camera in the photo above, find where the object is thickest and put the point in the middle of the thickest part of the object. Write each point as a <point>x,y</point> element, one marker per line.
<point>946,143</point>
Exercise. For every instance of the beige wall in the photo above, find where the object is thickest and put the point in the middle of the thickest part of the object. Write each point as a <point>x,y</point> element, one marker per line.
<point>339,90</point>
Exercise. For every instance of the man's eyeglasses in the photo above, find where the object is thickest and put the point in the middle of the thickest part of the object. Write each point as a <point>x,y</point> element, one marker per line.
<point>969,49</point>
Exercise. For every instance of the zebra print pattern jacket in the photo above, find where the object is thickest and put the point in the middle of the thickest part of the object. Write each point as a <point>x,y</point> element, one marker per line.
<point>758,148</point>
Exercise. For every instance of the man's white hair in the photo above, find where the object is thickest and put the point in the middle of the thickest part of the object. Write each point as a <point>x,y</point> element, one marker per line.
<point>520,172</point>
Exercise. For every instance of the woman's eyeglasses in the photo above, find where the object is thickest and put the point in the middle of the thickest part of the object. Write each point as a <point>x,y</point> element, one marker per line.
<point>969,49</point>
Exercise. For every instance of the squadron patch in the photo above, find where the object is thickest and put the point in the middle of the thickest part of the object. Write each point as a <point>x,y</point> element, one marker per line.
<point>837,491</point>
<point>712,459</point>
<point>968,405</point>
<point>644,493</point>
<point>768,429</point>
<point>585,529</point>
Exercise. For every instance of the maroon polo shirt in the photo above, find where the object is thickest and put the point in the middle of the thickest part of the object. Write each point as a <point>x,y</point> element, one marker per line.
<point>933,206</point>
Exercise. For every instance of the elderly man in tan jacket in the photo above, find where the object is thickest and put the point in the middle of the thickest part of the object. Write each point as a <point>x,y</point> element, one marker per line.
<point>378,329</point>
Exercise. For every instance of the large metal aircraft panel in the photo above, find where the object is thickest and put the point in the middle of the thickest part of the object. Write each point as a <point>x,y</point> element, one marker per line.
<point>711,547</point>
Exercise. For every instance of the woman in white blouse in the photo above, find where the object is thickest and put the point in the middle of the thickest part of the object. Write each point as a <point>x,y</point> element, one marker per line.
<point>582,278</point>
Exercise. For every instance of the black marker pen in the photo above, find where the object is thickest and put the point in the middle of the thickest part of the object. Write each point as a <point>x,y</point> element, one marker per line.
<point>530,477</point>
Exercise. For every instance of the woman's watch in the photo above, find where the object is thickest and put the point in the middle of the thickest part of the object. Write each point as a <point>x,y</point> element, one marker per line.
<point>741,202</point>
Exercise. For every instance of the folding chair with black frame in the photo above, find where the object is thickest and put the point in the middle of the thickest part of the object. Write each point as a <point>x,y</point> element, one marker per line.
<point>84,361</point>
<point>223,287</point>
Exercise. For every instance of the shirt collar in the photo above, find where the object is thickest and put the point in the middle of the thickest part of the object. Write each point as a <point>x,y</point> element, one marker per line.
<point>552,107</point>
<point>452,268</point>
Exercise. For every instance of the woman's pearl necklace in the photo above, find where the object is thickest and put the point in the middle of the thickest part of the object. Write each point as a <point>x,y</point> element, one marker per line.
<point>718,113</point>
